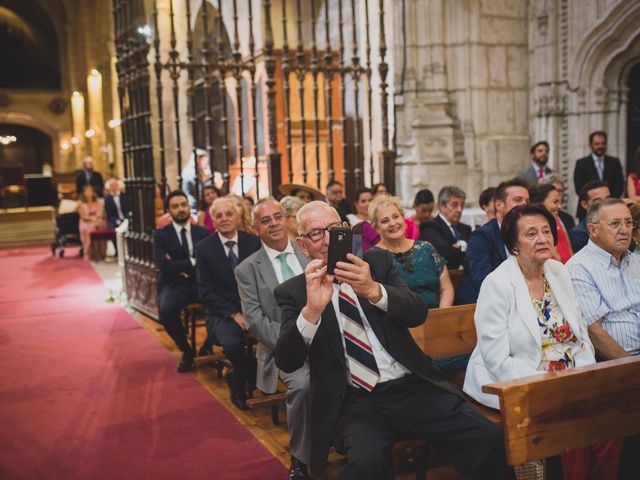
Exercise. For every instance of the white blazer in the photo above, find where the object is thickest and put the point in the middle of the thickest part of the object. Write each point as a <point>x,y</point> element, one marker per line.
<point>509,338</point>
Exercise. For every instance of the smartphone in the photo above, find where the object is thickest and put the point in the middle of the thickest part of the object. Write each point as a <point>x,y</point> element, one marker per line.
<point>340,243</point>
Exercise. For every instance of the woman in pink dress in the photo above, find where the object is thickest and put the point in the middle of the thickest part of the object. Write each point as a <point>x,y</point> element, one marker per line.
<point>91,211</point>
<point>633,181</point>
<point>209,194</point>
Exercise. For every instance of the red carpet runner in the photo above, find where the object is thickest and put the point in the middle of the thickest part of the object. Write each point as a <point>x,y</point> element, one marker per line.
<point>86,393</point>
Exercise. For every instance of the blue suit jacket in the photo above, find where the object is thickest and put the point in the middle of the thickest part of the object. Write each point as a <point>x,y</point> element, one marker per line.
<point>166,242</point>
<point>112,210</point>
<point>485,251</point>
<point>579,236</point>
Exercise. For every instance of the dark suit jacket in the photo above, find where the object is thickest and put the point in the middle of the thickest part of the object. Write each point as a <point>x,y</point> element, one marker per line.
<point>326,355</point>
<point>485,251</point>
<point>217,285</point>
<point>112,210</point>
<point>166,241</point>
<point>567,220</point>
<point>579,236</point>
<point>438,234</point>
<point>585,171</point>
<point>96,182</point>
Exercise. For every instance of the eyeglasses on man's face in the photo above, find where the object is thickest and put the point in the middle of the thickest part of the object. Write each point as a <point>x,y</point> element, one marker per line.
<point>617,224</point>
<point>318,234</point>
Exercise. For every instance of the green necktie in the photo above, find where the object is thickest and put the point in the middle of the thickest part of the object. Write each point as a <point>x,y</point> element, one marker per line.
<point>285,269</point>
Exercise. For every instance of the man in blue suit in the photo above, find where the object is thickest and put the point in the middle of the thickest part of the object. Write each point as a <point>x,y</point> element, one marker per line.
<point>175,245</point>
<point>485,249</point>
<point>592,191</point>
<point>115,205</point>
<point>218,256</point>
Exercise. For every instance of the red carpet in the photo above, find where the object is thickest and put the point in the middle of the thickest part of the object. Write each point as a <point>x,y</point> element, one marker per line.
<point>87,393</point>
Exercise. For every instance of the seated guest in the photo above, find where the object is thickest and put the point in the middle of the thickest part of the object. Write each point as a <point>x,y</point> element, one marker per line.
<point>485,250</point>
<point>365,394</point>
<point>445,232</point>
<point>88,176</point>
<point>217,257</point>
<point>380,189</point>
<point>302,191</point>
<point>528,321</point>
<point>244,221</point>
<point>567,219</point>
<point>592,191</point>
<point>487,202</point>
<point>370,236</point>
<point>633,180</point>
<point>115,205</point>
<point>335,198</point>
<point>606,279</point>
<point>195,173</point>
<point>91,212</point>
<point>174,246</point>
<point>291,205</point>
<point>209,194</point>
<point>635,235</point>
<point>277,261</point>
<point>420,266</point>
<point>423,204</point>
<point>548,196</point>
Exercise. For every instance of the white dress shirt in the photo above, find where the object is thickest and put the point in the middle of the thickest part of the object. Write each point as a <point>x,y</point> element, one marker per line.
<point>388,366</point>
<point>598,162</point>
<point>178,228</point>
<point>224,240</point>
<point>292,260</point>
<point>116,200</point>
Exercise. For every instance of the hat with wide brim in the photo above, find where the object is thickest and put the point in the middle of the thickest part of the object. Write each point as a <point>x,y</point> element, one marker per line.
<point>292,188</point>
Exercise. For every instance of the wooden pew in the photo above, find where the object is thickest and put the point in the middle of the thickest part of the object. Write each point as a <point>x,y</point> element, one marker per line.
<point>550,414</point>
<point>447,332</point>
<point>456,277</point>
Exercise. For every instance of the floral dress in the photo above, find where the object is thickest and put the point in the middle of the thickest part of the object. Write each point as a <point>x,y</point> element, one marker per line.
<point>558,340</point>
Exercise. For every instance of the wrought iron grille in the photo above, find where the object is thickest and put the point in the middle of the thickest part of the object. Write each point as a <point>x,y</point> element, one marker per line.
<point>274,92</point>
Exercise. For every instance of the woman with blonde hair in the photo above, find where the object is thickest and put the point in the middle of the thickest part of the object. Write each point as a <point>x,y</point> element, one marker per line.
<point>420,265</point>
<point>245,224</point>
<point>291,205</point>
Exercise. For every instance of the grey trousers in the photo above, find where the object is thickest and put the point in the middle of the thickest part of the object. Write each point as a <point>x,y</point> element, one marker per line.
<point>298,411</point>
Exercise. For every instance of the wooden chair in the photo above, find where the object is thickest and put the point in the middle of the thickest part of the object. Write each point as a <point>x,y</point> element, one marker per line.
<point>194,315</point>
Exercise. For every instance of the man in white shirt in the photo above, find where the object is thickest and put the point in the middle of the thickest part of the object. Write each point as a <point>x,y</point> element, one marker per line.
<point>277,261</point>
<point>369,379</point>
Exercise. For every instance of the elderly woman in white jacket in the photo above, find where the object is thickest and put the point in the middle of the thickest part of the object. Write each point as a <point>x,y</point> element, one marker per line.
<point>528,322</point>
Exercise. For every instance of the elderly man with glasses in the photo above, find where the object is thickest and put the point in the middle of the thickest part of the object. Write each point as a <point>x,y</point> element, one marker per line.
<point>606,279</point>
<point>369,379</point>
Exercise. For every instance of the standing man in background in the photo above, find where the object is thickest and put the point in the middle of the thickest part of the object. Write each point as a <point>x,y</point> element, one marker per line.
<point>538,168</point>
<point>598,166</point>
<point>88,176</point>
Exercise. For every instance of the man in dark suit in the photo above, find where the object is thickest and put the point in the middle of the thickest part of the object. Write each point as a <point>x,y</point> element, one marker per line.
<point>115,205</point>
<point>445,232</point>
<point>485,249</point>
<point>174,245</point>
<point>598,166</point>
<point>538,169</point>
<point>369,379</point>
<point>87,176</point>
<point>592,191</point>
<point>277,261</point>
<point>217,257</point>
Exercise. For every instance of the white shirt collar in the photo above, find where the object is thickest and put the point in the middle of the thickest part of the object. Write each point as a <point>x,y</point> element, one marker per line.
<point>224,239</point>
<point>274,253</point>
<point>597,158</point>
<point>448,223</point>
<point>179,227</point>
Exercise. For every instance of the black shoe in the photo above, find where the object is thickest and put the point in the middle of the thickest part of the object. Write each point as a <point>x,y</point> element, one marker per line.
<point>236,392</point>
<point>185,363</point>
<point>298,470</point>
<point>205,350</point>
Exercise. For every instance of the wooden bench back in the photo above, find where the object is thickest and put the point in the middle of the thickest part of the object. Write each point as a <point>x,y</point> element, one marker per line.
<point>546,415</point>
<point>447,332</point>
<point>456,277</point>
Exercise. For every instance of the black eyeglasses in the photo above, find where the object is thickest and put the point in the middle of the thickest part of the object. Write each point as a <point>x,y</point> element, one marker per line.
<point>405,261</point>
<point>318,234</point>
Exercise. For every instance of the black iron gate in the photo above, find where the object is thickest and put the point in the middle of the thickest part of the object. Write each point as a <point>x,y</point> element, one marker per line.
<point>274,92</point>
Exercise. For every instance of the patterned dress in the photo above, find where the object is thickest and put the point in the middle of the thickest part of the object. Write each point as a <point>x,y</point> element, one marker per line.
<point>558,340</point>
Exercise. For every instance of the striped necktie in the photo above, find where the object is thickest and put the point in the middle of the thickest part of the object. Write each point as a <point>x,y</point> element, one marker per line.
<point>362,364</point>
